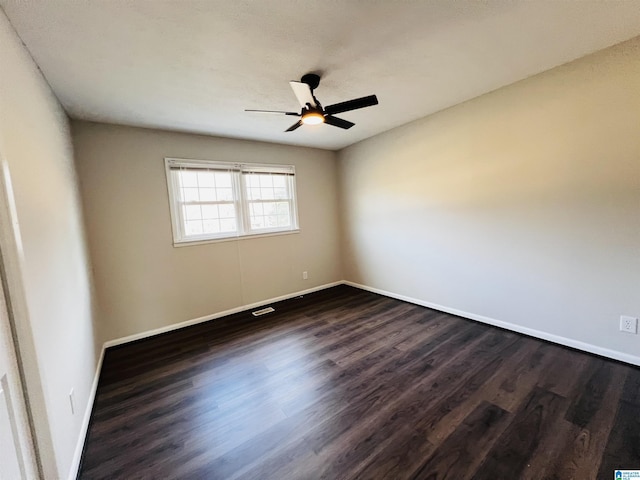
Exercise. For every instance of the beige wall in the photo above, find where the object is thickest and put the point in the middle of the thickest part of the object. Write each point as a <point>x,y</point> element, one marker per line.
<point>142,281</point>
<point>522,205</point>
<point>44,252</point>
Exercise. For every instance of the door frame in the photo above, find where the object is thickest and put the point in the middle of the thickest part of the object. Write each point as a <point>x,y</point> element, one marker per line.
<point>19,417</point>
<point>13,325</point>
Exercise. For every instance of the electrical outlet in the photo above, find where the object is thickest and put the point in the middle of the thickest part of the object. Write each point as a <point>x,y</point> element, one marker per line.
<point>628,324</point>
<point>72,402</point>
<point>305,275</point>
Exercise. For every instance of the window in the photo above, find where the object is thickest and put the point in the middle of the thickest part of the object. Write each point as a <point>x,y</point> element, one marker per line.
<point>216,200</point>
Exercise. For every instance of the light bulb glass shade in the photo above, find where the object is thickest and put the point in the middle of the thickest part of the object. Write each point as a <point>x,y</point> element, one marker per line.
<point>312,118</point>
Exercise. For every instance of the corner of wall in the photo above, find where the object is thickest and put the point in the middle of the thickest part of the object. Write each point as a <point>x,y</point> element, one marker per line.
<point>47,295</point>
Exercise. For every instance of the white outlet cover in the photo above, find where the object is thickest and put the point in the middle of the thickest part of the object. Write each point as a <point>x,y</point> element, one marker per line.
<point>628,324</point>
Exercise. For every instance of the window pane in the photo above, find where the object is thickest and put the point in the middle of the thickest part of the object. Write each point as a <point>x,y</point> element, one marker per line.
<point>268,215</point>
<point>227,211</point>
<point>227,225</point>
<point>225,194</point>
<point>207,194</point>
<point>271,221</point>
<point>266,181</point>
<point>283,208</point>
<point>223,179</point>
<point>193,227</point>
<point>210,211</point>
<point>257,222</point>
<point>272,186</point>
<point>188,179</point>
<point>256,209</point>
<point>190,195</point>
<point>284,221</point>
<point>205,180</point>
<point>266,194</point>
<point>271,208</point>
<point>192,212</point>
<point>252,180</point>
<point>254,194</point>
<point>211,226</point>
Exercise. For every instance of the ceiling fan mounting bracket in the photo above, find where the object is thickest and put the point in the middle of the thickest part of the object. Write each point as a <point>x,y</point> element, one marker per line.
<point>311,79</point>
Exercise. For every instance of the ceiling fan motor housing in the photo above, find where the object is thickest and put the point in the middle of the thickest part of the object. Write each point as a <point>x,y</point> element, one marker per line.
<point>311,79</point>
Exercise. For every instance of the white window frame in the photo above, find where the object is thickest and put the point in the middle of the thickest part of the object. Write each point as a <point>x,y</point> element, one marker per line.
<point>240,200</point>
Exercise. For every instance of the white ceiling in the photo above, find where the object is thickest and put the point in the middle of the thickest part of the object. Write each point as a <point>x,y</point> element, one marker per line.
<point>196,65</point>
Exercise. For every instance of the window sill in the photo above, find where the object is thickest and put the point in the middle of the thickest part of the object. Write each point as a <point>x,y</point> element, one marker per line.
<point>189,243</point>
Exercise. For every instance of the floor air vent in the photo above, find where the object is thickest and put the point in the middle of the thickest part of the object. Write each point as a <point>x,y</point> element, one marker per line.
<point>262,311</point>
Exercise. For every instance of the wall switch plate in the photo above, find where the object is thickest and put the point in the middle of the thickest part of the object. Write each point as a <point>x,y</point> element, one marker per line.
<point>628,324</point>
<point>305,275</point>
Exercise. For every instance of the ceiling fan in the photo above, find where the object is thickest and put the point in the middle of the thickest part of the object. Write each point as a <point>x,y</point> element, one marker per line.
<point>312,112</point>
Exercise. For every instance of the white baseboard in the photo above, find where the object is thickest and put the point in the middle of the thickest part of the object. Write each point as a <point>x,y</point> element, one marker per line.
<point>84,428</point>
<point>206,318</point>
<point>564,341</point>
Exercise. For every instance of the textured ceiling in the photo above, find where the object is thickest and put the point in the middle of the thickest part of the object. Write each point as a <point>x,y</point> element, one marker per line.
<point>195,65</point>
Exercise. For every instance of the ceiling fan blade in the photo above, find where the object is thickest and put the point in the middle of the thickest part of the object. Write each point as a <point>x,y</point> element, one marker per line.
<point>303,93</point>
<point>351,104</point>
<point>338,122</point>
<point>274,111</point>
<point>294,126</point>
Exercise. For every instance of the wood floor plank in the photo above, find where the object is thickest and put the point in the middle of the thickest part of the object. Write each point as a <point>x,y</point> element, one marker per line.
<point>589,401</point>
<point>470,383</point>
<point>631,390</point>
<point>509,456</point>
<point>562,377</point>
<point>344,383</point>
<point>404,454</point>
<point>523,377</point>
<point>261,447</point>
<point>436,323</point>
<point>622,451</point>
<point>593,419</point>
<point>551,453</point>
<point>462,452</point>
<point>451,418</point>
<point>452,385</point>
<point>334,442</point>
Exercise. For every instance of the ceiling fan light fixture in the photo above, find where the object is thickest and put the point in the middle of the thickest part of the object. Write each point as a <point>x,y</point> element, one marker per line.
<point>312,118</point>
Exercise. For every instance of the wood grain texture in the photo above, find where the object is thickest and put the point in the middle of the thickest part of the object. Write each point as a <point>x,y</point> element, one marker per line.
<point>347,384</point>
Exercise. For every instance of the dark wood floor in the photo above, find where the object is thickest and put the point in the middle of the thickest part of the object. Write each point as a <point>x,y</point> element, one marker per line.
<point>345,384</point>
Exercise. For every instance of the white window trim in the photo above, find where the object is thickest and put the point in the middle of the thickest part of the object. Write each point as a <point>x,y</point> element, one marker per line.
<point>240,201</point>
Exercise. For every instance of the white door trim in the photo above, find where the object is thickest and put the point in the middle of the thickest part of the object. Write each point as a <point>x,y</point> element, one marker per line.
<point>13,394</point>
<point>40,453</point>
<point>15,380</point>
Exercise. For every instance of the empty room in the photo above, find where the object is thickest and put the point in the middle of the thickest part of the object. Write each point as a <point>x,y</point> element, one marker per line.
<point>292,239</point>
